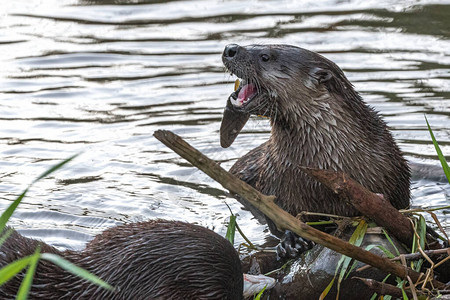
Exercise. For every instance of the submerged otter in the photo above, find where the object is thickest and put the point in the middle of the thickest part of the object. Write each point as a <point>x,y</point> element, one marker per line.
<point>318,120</point>
<point>149,260</point>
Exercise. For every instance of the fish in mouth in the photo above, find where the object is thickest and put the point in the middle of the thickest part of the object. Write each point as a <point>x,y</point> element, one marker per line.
<point>234,115</point>
<point>243,102</point>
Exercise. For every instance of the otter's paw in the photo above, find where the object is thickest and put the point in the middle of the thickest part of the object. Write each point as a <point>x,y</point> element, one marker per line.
<point>292,245</point>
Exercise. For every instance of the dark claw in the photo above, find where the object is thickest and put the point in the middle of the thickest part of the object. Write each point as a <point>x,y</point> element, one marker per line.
<point>292,245</point>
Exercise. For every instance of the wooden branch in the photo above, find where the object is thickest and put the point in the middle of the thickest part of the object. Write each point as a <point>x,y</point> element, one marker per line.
<point>382,288</point>
<point>281,218</point>
<point>369,204</point>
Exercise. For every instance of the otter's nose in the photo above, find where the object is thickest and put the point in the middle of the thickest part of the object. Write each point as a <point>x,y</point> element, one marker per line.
<point>230,50</point>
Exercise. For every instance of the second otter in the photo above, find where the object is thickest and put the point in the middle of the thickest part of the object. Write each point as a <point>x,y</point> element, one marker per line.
<point>318,120</point>
<point>157,259</point>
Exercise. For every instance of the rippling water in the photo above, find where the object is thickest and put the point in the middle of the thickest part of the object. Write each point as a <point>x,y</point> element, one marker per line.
<point>99,77</point>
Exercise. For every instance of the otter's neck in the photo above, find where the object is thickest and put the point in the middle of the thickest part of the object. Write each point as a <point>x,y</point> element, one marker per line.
<point>314,133</point>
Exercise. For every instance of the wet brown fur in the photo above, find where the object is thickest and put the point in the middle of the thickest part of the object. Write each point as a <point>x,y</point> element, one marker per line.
<point>318,120</point>
<point>149,260</point>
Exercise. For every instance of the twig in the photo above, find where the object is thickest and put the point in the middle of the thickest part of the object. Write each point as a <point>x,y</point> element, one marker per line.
<point>412,287</point>
<point>407,211</point>
<point>382,288</point>
<point>309,213</point>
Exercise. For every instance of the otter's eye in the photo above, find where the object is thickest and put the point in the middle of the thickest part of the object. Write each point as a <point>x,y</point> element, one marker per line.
<point>265,57</point>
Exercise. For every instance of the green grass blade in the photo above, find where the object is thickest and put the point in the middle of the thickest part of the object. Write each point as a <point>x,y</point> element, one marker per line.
<point>250,244</point>
<point>368,248</point>
<point>258,297</point>
<point>439,153</point>
<point>391,242</point>
<point>414,246</point>
<point>356,239</point>
<point>240,231</point>
<point>417,265</point>
<point>10,270</point>
<point>327,289</point>
<point>231,230</point>
<point>422,231</point>
<point>405,297</point>
<point>54,168</point>
<point>10,210</point>
<point>388,253</point>
<point>68,266</point>
<point>6,235</point>
<point>28,280</point>
<point>374,296</point>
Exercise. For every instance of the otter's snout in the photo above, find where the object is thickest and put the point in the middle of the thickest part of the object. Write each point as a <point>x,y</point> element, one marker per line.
<point>230,51</point>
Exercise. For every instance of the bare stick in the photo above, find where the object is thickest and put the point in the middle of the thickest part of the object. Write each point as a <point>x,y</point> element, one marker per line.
<point>369,204</point>
<point>280,217</point>
<point>382,288</point>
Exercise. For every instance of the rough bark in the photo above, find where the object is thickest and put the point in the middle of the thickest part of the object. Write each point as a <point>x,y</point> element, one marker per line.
<point>371,205</point>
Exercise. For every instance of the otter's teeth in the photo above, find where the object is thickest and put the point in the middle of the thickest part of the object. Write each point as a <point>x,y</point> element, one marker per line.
<point>235,102</point>
<point>236,84</point>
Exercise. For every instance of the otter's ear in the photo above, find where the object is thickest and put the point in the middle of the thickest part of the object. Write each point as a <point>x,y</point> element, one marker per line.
<point>321,75</point>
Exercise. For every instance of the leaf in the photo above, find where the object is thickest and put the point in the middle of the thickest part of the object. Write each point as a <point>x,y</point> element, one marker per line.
<point>258,297</point>
<point>68,266</point>
<point>441,156</point>
<point>6,235</point>
<point>414,246</point>
<point>405,297</point>
<point>231,230</point>
<point>28,280</point>
<point>356,239</point>
<point>374,296</point>
<point>250,244</point>
<point>418,265</point>
<point>386,251</point>
<point>327,289</point>
<point>368,248</point>
<point>10,210</point>
<point>422,231</point>
<point>10,270</point>
<point>391,242</point>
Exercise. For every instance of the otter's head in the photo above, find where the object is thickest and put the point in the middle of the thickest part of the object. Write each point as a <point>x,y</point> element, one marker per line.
<point>276,81</point>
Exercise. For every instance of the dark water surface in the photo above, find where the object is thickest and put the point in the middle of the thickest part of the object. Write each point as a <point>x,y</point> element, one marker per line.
<point>99,77</point>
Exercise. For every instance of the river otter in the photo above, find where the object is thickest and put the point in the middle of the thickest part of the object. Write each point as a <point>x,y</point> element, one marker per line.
<point>149,260</point>
<point>318,120</point>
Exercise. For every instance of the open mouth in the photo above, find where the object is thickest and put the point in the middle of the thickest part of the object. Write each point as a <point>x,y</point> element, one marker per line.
<point>243,94</point>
